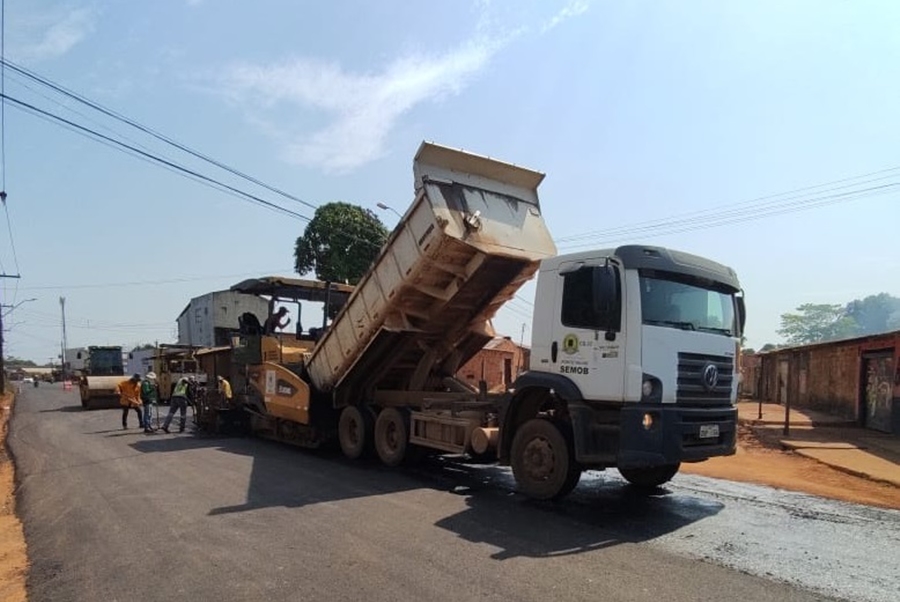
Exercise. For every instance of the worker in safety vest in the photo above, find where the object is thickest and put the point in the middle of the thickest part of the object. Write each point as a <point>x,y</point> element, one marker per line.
<point>224,389</point>
<point>179,402</point>
<point>129,392</point>
<point>149,397</point>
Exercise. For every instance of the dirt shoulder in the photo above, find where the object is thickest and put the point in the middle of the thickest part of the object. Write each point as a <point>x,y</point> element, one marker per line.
<point>764,462</point>
<point>13,556</point>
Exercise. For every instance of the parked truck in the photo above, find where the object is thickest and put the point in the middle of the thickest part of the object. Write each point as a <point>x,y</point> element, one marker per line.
<point>634,349</point>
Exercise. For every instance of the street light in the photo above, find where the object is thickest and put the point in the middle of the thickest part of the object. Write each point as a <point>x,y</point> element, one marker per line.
<point>2,360</point>
<point>388,208</point>
<point>10,308</point>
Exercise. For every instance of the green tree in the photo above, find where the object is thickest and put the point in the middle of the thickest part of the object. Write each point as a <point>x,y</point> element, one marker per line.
<point>17,362</point>
<point>768,347</point>
<point>339,243</point>
<point>875,313</point>
<point>816,322</point>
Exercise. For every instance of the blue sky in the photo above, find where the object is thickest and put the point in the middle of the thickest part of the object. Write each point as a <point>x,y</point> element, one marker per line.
<point>666,111</point>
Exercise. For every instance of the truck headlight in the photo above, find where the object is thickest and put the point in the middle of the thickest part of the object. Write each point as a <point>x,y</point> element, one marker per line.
<point>647,421</point>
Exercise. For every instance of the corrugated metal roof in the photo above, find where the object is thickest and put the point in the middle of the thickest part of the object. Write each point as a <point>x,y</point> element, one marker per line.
<point>499,343</point>
<point>835,342</point>
<point>293,288</point>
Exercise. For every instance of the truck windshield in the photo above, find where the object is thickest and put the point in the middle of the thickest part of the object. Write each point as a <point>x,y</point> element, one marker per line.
<point>675,301</point>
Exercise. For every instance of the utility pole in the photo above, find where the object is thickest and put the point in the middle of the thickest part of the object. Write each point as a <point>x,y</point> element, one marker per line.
<point>2,353</point>
<point>521,367</point>
<point>65,343</point>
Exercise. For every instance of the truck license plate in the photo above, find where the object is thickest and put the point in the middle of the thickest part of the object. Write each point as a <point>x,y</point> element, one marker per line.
<point>709,431</point>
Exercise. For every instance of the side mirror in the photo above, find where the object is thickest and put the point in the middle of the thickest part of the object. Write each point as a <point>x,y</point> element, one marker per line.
<point>742,313</point>
<point>607,298</point>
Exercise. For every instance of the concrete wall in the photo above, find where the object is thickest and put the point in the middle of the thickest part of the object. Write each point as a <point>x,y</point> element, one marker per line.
<point>207,319</point>
<point>139,362</point>
<point>73,362</point>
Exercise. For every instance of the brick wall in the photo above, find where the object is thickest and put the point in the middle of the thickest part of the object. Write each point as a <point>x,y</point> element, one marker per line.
<point>497,364</point>
<point>824,376</point>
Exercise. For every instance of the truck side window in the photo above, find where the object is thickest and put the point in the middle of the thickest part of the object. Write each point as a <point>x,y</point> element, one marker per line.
<point>578,300</point>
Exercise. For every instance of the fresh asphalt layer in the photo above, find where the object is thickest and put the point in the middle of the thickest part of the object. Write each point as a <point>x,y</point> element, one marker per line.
<point>120,515</point>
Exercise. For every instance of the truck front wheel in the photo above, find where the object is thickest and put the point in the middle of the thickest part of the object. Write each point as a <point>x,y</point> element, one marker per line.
<point>650,477</point>
<point>354,431</point>
<point>542,461</point>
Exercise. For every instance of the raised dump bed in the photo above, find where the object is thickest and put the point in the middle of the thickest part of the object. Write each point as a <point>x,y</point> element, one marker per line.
<point>472,236</point>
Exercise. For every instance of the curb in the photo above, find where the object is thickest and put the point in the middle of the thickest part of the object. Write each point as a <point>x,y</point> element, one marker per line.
<point>841,468</point>
<point>812,423</point>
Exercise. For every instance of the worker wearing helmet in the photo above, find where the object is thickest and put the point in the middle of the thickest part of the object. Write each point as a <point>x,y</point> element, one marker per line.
<point>178,402</point>
<point>129,392</point>
<point>149,397</point>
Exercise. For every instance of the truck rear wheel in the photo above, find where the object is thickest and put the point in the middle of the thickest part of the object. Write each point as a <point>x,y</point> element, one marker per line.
<point>650,477</point>
<point>354,431</point>
<point>391,436</point>
<point>542,461</point>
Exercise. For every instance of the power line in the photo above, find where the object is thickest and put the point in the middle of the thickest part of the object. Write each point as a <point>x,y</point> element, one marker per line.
<point>44,318</point>
<point>524,300</point>
<point>730,218</point>
<point>12,243</point>
<point>147,130</point>
<point>787,199</point>
<point>145,282</point>
<point>135,149</point>
<point>68,107</point>
<point>156,159</point>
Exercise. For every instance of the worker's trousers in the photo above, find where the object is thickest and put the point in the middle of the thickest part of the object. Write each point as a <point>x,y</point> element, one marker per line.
<point>125,416</point>
<point>148,415</point>
<point>177,403</point>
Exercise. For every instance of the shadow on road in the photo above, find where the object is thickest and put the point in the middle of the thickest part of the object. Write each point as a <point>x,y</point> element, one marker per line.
<point>77,408</point>
<point>603,511</point>
<point>594,518</point>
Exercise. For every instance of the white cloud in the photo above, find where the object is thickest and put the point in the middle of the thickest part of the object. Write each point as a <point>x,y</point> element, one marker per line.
<point>361,109</point>
<point>364,107</point>
<point>572,9</point>
<point>52,34</point>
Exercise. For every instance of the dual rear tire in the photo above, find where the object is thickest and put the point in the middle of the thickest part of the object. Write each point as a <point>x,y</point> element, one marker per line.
<point>359,432</point>
<point>355,431</point>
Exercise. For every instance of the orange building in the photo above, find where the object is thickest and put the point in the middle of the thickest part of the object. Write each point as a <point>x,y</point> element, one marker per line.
<point>498,364</point>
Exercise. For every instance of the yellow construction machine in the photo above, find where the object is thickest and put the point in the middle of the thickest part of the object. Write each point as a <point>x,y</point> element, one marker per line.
<point>103,370</point>
<point>266,370</point>
<point>172,362</point>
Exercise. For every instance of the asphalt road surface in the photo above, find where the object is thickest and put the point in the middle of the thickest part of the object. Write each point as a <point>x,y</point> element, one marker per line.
<point>120,515</point>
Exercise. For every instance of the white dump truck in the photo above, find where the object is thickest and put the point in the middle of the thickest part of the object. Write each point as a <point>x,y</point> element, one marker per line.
<point>634,349</point>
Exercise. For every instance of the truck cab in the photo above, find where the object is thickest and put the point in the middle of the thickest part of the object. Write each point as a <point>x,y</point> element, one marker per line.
<point>635,354</point>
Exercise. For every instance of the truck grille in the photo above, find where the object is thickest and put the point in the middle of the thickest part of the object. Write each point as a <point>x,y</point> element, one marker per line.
<point>704,380</point>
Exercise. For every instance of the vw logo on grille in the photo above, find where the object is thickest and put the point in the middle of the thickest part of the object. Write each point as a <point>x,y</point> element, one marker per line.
<point>710,377</point>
